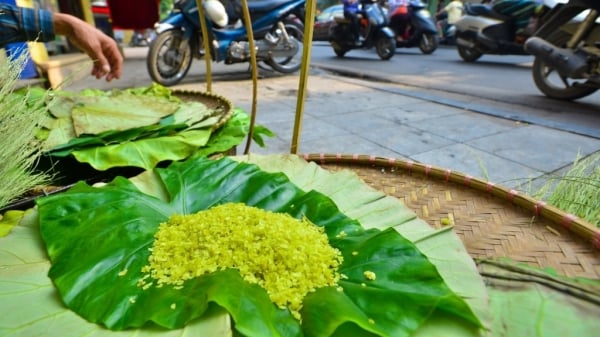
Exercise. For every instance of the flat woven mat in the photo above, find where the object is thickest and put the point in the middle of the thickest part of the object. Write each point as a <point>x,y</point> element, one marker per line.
<point>492,221</point>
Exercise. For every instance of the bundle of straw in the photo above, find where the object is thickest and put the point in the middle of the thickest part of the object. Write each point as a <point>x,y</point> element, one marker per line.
<point>20,118</point>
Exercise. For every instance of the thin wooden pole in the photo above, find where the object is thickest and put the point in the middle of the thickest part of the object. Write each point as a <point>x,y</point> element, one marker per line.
<point>304,71</point>
<point>254,66</point>
<point>205,45</point>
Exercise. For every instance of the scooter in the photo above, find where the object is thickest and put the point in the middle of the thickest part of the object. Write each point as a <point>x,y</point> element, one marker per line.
<point>484,31</point>
<point>277,26</point>
<point>421,31</point>
<point>567,51</point>
<point>374,30</point>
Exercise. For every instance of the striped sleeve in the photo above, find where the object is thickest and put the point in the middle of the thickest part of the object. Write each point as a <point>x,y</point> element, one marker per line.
<point>19,24</point>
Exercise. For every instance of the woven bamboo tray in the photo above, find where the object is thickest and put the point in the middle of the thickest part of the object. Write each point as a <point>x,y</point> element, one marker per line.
<point>492,221</point>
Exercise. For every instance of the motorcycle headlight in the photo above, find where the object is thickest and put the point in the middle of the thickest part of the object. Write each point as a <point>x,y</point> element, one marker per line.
<point>425,13</point>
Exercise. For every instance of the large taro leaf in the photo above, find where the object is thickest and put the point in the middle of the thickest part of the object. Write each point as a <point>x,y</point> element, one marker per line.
<point>93,234</point>
<point>148,146</point>
<point>109,137</point>
<point>30,306</point>
<point>374,209</point>
<point>229,135</point>
<point>144,153</point>
<point>532,302</point>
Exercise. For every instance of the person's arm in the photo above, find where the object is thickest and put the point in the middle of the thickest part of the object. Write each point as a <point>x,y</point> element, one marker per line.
<point>102,49</point>
<point>20,24</point>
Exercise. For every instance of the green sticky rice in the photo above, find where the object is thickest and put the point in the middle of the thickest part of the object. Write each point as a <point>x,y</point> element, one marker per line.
<point>288,257</point>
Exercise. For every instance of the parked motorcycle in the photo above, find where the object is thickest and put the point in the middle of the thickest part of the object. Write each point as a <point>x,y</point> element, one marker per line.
<point>567,51</point>
<point>374,30</point>
<point>277,26</point>
<point>421,31</point>
<point>484,31</point>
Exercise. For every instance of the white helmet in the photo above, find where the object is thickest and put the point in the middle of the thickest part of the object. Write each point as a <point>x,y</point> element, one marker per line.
<point>216,12</point>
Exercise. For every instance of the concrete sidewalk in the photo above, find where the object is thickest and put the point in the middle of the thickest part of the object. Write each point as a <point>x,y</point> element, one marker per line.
<point>352,116</point>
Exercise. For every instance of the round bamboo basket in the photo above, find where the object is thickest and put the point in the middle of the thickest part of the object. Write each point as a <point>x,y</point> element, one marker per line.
<point>491,220</point>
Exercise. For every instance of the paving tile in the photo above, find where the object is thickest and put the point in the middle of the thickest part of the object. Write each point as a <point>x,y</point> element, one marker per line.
<point>464,126</point>
<point>404,140</point>
<point>362,123</point>
<point>414,113</point>
<point>345,103</point>
<point>480,164</point>
<point>346,144</point>
<point>311,128</point>
<point>538,147</point>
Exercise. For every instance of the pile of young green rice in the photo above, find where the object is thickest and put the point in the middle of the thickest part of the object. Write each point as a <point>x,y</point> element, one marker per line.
<point>286,256</point>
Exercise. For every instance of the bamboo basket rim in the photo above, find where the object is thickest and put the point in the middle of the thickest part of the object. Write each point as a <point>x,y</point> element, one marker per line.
<point>213,101</point>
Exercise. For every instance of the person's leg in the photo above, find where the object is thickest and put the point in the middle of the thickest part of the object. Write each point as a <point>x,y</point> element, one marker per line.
<point>398,24</point>
<point>354,24</point>
<point>441,26</point>
<point>403,23</point>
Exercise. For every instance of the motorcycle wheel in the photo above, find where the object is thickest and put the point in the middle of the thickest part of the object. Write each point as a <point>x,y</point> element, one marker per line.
<point>553,85</point>
<point>385,47</point>
<point>428,43</point>
<point>468,54</point>
<point>286,65</point>
<point>169,58</point>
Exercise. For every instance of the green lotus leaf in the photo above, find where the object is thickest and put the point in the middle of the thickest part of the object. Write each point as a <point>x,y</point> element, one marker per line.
<point>98,239</point>
<point>529,301</point>
<point>374,209</point>
<point>30,306</point>
<point>8,220</point>
<point>137,127</point>
<point>144,153</point>
<point>96,114</point>
<point>148,146</point>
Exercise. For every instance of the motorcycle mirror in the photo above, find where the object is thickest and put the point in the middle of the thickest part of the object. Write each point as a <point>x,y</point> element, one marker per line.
<point>216,12</point>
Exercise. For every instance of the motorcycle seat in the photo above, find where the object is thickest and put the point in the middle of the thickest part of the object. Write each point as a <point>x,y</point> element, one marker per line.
<point>262,6</point>
<point>483,10</point>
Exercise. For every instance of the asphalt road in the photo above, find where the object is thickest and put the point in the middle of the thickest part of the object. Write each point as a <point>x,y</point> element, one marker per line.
<point>499,85</point>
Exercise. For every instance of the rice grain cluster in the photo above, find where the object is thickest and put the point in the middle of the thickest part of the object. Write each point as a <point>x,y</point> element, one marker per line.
<point>286,256</point>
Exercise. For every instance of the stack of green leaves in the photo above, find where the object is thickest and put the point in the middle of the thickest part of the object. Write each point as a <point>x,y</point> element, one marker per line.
<point>138,127</point>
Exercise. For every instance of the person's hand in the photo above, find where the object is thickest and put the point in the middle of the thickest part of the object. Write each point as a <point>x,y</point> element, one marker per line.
<point>102,49</point>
